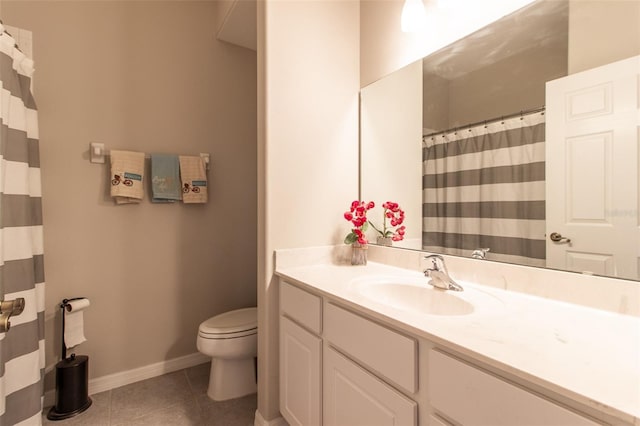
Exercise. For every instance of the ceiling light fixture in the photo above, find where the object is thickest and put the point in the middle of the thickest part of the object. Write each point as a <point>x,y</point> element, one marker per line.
<point>414,16</point>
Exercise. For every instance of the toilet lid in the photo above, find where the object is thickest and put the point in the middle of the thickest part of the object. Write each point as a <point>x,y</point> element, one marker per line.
<point>231,322</point>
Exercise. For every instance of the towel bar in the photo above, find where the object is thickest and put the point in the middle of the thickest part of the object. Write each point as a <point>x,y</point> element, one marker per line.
<point>97,154</point>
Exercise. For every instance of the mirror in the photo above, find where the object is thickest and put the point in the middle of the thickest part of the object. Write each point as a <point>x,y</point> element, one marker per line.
<point>472,143</point>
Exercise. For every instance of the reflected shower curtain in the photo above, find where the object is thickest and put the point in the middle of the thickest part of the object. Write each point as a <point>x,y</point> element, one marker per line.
<point>21,251</point>
<point>484,187</point>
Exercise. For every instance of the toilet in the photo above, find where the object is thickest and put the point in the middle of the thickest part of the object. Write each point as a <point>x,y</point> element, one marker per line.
<point>231,340</point>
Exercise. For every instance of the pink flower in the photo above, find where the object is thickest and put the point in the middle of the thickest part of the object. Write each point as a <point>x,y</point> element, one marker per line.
<point>390,205</point>
<point>395,215</point>
<point>357,215</point>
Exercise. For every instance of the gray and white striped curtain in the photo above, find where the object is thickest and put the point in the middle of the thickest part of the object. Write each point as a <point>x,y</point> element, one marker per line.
<point>484,187</point>
<point>21,245</point>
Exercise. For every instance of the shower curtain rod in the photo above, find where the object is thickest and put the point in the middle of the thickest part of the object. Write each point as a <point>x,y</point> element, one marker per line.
<point>520,114</point>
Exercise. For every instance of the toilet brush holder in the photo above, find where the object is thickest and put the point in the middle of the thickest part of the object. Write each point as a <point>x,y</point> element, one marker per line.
<point>72,381</point>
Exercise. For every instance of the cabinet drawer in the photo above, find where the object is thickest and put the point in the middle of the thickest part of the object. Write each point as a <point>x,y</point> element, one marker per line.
<point>352,396</point>
<point>301,306</point>
<point>388,353</point>
<point>471,396</point>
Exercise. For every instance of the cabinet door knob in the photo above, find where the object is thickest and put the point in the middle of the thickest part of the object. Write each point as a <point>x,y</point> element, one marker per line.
<point>558,238</point>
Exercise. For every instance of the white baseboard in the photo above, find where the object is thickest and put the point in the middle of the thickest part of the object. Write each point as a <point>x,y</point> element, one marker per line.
<point>260,421</point>
<point>111,381</point>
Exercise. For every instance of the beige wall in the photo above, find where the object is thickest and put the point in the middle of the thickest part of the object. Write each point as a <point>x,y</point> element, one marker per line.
<point>308,71</point>
<point>384,48</point>
<point>602,31</point>
<point>516,83</point>
<point>435,99</point>
<point>222,8</point>
<point>512,84</point>
<point>145,76</point>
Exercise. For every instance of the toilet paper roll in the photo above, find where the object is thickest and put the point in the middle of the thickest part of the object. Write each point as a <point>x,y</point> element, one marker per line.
<point>74,322</point>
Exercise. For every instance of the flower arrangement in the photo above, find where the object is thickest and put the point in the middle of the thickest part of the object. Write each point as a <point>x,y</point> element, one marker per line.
<point>357,215</point>
<point>395,215</point>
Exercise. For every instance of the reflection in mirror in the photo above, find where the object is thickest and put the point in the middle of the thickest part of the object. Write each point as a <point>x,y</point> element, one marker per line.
<point>497,142</point>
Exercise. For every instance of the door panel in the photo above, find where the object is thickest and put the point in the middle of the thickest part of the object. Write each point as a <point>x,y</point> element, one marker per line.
<point>592,163</point>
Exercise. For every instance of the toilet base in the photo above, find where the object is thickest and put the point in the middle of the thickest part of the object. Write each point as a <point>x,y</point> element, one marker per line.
<point>231,378</point>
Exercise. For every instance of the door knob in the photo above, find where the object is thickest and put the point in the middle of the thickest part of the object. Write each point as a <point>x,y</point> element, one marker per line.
<point>558,238</point>
<point>7,309</point>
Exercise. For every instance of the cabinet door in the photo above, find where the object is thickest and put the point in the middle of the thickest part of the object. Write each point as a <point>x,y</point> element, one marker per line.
<point>299,374</point>
<point>354,397</point>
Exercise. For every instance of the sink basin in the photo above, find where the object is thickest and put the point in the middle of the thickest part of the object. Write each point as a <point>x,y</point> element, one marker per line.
<point>420,299</point>
<point>415,295</point>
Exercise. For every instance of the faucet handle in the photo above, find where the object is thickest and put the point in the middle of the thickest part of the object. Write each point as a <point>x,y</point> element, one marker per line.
<point>434,258</point>
<point>480,253</point>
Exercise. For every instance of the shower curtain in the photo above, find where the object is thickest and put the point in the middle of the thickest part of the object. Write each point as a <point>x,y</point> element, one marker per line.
<point>21,245</point>
<point>484,187</point>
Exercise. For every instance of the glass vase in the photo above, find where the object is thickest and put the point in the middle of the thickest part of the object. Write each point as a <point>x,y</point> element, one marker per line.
<point>358,254</point>
<point>384,241</point>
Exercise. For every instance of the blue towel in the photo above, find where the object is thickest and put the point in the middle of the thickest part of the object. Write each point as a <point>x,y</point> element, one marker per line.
<point>165,178</point>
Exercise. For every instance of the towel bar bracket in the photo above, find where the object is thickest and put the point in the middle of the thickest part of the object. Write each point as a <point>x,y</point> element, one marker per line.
<point>97,154</point>
<point>206,159</point>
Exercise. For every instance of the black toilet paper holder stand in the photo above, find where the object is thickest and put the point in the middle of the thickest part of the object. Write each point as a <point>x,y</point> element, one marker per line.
<point>65,305</point>
<point>72,379</point>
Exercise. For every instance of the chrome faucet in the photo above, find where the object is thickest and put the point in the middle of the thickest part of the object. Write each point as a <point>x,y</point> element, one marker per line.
<point>439,276</point>
<point>480,253</point>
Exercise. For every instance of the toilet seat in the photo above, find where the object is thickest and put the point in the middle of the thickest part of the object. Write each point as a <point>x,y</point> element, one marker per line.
<point>230,325</point>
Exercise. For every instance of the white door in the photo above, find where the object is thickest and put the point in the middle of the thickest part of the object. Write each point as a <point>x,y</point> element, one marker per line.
<point>592,162</point>
<point>299,375</point>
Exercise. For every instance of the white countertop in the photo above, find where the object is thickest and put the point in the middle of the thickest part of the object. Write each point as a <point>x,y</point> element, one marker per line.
<point>588,355</point>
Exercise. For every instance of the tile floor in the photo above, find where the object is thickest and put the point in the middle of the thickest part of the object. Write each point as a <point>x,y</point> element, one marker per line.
<point>175,399</point>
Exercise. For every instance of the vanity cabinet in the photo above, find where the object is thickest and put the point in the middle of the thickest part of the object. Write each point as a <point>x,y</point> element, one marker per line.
<point>364,363</point>
<point>339,367</point>
<point>356,380</point>
<point>391,355</point>
<point>300,357</point>
<point>470,396</point>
